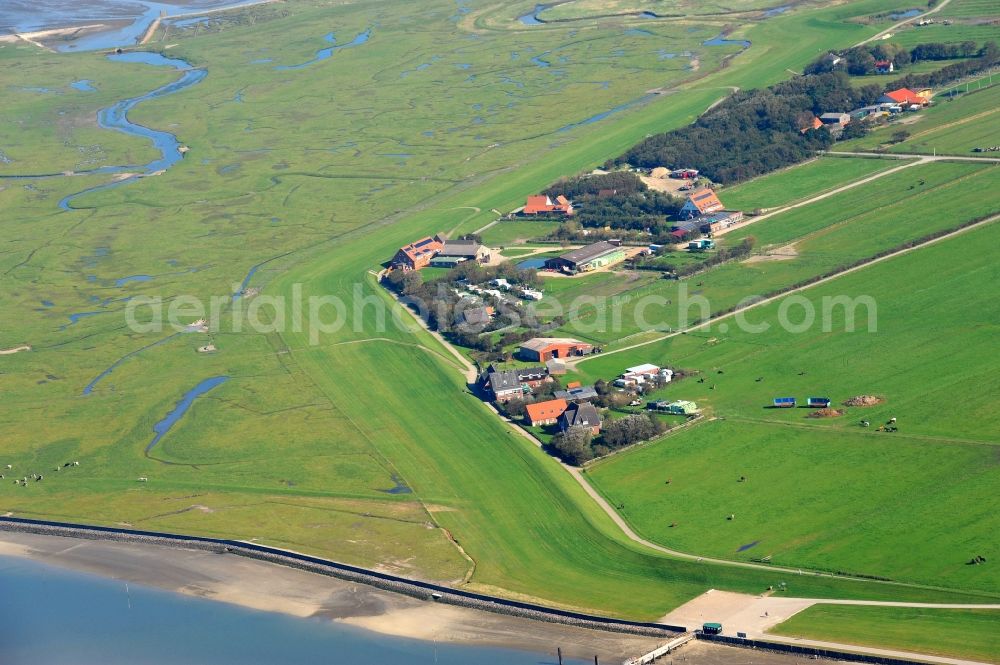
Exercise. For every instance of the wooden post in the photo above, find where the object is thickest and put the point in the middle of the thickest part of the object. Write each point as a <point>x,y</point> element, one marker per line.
<point>559,654</point>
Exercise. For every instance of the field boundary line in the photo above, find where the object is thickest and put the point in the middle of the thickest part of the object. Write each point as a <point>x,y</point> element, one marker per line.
<point>831,192</point>
<point>823,280</point>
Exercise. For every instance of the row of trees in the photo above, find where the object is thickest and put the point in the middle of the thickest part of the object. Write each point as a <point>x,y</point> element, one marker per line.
<point>757,131</point>
<point>763,127</point>
<point>572,231</point>
<point>987,57</point>
<point>860,60</point>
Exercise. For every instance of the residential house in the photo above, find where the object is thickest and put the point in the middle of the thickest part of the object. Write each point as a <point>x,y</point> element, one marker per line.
<point>884,67</point>
<point>545,413</point>
<point>543,205</point>
<point>585,259</point>
<point>504,385</point>
<point>543,349</point>
<point>530,377</point>
<point>417,254</point>
<point>475,316</point>
<point>583,414</point>
<point>701,202</point>
<point>533,377</point>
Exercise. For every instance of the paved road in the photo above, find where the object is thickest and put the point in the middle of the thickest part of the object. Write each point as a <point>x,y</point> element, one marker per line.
<point>923,158</point>
<point>896,26</point>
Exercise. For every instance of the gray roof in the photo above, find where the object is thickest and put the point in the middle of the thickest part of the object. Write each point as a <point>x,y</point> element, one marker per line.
<point>687,225</point>
<point>589,252</point>
<point>583,414</point>
<point>504,380</point>
<point>576,394</point>
<point>476,315</point>
<point>526,373</point>
<point>836,117</point>
<point>460,248</point>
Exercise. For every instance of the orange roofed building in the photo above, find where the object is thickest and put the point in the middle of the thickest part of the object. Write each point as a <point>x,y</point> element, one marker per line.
<point>902,96</point>
<point>543,205</point>
<point>546,413</point>
<point>701,202</point>
<point>815,123</point>
<point>417,254</point>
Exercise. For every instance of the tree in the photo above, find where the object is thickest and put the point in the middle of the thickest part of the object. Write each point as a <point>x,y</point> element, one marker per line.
<point>573,445</point>
<point>626,431</point>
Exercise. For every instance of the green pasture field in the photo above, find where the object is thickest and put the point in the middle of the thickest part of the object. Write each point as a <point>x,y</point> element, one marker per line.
<point>938,32</point>
<point>951,126</point>
<point>303,444</point>
<point>827,234</point>
<point>825,492</point>
<point>924,67</point>
<point>968,8</point>
<point>799,182</point>
<point>969,634</point>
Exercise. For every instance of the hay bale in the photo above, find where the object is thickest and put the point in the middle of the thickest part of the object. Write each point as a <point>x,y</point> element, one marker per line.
<point>659,172</point>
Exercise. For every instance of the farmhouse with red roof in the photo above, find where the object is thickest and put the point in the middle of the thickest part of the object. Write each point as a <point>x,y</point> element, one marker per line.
<point>902,96</point>
<point>543,205</point>
<point>545,413</point>
<point>701,202</point>
<point>417,254</point>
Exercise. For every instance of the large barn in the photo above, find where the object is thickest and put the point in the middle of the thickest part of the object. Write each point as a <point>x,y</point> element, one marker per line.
<point>591,257</point>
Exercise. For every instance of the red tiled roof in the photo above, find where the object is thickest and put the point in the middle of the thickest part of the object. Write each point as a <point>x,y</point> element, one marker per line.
<point>549,410</point>
<point>705,200</point>
<point>905,96</point>
<point>542,203</point>
<point>423,248</point>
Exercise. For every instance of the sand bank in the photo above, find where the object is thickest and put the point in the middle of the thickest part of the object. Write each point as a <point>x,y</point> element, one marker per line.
<point>263,586</point>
